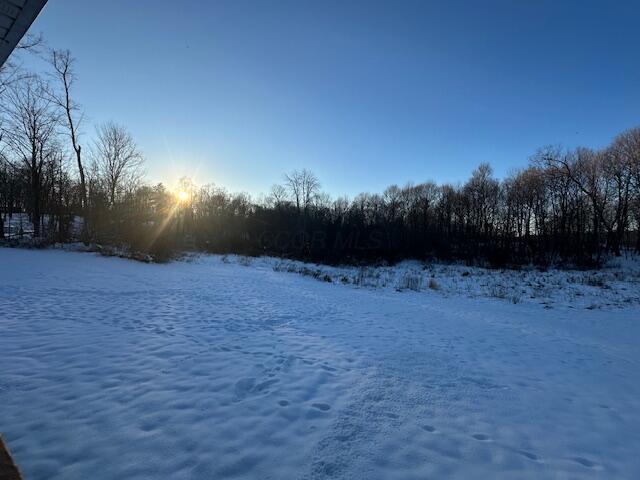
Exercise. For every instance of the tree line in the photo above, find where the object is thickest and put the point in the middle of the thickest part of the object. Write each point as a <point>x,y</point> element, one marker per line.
<point>567,206</point>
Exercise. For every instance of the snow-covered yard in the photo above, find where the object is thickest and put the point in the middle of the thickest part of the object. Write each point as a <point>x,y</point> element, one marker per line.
<point>214,369</point>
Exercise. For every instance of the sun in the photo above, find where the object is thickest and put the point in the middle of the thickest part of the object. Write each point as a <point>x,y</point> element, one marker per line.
<point>183,196</point>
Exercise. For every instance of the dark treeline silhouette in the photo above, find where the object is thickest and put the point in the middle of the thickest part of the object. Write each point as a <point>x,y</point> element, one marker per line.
<point>567,206</point>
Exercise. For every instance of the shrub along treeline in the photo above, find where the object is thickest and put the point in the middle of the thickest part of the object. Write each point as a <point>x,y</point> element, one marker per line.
<point>565,207</point>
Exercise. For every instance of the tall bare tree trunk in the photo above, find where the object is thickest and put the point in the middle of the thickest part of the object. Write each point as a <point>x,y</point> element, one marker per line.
<point>63,63</point>
<point>35,188</point>
<point>83,183</point>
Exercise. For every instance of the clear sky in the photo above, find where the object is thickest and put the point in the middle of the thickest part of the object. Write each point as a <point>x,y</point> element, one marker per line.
<point>365,94</point>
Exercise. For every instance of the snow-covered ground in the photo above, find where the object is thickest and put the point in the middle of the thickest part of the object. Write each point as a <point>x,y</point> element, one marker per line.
<point>616,285</point>
<point>228,368</point>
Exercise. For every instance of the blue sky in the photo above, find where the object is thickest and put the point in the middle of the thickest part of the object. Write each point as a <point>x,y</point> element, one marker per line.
<point>365,94</point>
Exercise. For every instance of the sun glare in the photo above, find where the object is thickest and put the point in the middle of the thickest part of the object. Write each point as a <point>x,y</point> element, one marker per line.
<point>183,196</point>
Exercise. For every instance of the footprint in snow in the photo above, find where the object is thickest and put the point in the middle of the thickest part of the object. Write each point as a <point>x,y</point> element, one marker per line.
<point>584,462</point>
<point>480,436</point>
<point>528,455</point>
<point>321,406</point>
<point>243,387</point>
<point>429,428</point>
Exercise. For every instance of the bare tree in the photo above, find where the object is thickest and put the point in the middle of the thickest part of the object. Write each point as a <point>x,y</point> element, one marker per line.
<point>64,72</point>
<point>482,192</point>
<point>30,131</point>
<point>617,168</point>
<point>303,186</point>
<point>627,148</point>
<point>11,71</point>
<point>32,42</point>
<point>117,158</point>
<point>278,196</point>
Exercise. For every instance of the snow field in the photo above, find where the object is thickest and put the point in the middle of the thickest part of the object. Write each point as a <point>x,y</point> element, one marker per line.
<point>212,369</point>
